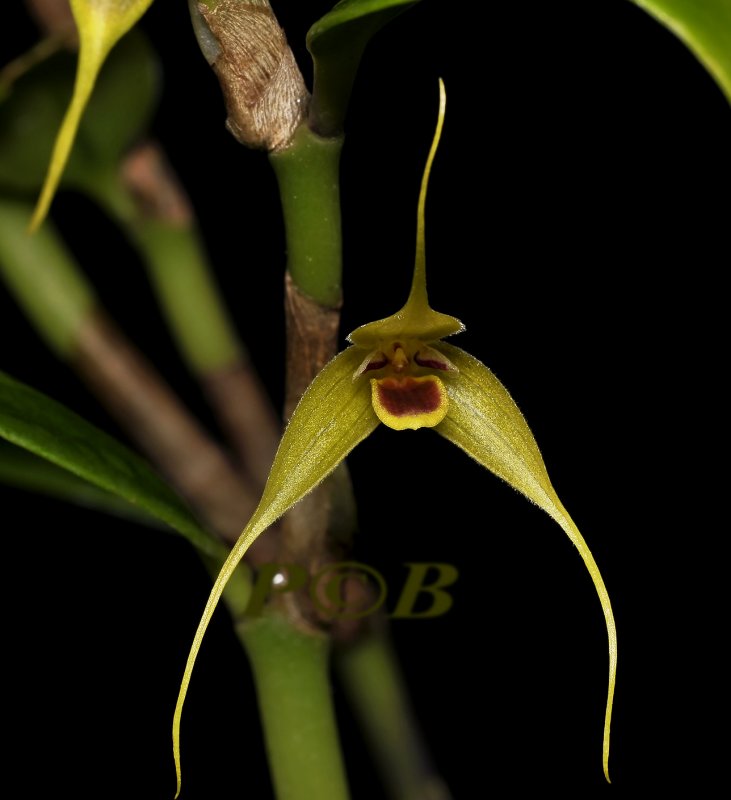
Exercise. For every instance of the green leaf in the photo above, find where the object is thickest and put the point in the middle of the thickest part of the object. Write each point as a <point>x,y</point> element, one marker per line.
<point>333,415</point>
<point>485,422</point>
<point>41,273</point>
<point>23,470</point>
<point>704,26</point>
<point>101,24</point>
<point>48,429</point>
<point>118,113</point>
<point>29,115</point>
<point>336,43</point>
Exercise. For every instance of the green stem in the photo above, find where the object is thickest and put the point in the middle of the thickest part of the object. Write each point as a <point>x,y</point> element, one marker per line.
<point>191,302</point>
<point>372,678</point>
<point>292,681</point>
<point>156,216</point>
<point>47,284</point>
<point>182,279</point>
<point>55,295</point>
<point>309,186</point>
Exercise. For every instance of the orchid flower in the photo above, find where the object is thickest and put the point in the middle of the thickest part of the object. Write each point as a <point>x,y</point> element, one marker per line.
<point>399,372</point>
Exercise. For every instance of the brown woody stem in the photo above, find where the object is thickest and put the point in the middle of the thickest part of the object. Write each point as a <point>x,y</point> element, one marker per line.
<point>311,342</point>
<point>312,339</point>
<point>156,213</point>
<point>145,406</point>
<point>55,17</point>
<point>246,415</point>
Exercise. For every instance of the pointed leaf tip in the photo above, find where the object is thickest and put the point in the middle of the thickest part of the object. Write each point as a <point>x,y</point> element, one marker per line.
<point>705,28</point>
<point>484,421</point>
<point>337,42</point>
<point>101,24</point>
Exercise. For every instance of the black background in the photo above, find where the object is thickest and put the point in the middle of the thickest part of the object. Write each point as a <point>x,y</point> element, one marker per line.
<point>577,223</point>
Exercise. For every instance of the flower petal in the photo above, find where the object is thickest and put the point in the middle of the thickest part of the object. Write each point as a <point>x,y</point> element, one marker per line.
<point>485,422</point>
<point>431,358</point>
<point>409,402</point>
<point>101,24</point>
<point>333,416</point>
<point>416,320</point>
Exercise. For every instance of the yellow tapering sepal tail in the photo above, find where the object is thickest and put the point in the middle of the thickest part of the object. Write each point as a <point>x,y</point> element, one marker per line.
<point>101,24</point>
<point>416,320</point>
<point>400,373</point>
<point>330,420</point>
<point>484,421</point>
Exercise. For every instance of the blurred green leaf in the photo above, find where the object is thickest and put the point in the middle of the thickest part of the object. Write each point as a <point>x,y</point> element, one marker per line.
<point>118,113</point>
<point>336,43</point>
<point>22,470</point>
<point>48,429</point>
<point>124,99</point>
<point>29,117</point>
<point>704,26</point>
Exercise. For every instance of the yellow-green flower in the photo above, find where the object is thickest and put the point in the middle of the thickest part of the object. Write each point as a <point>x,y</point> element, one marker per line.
<point>399,371</point>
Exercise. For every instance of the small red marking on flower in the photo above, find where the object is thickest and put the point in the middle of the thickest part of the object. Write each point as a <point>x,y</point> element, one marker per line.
<point>431,363</point>
<point>376,363</point>
<point>408,396</point>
